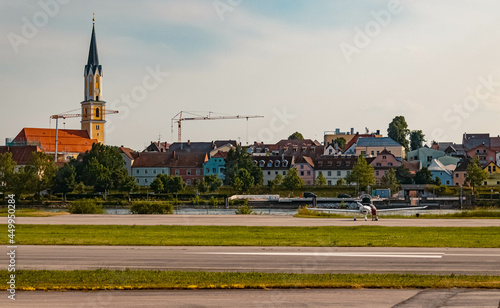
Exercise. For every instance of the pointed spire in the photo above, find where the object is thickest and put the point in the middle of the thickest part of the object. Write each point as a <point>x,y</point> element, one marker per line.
<point>93,60</point>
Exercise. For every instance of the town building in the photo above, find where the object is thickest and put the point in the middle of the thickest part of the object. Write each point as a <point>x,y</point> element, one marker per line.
<point>438,170</point>
<point>384,161</point>
<point>216,165</point>
<point>272,166</point>
<point>334,168</point>
<point>460,172</point>
<point>147,165</point>
<point>371,147</point>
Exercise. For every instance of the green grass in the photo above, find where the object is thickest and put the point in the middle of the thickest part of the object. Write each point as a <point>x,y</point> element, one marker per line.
<point>141,279</point>
<point>31,213</point>
<point>304,212</point>
<point>361,236</point>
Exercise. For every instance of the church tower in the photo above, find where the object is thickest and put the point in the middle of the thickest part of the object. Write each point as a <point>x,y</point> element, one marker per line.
<point>93,107</point>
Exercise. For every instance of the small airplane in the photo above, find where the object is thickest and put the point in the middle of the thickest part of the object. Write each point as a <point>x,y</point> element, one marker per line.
<point>366,209</point>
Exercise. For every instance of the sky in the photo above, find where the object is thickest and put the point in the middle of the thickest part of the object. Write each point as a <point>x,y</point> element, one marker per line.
<point>308,66</point>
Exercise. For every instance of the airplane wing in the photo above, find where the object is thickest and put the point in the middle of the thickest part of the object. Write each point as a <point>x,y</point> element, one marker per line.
<point>403,209</point>
<point>334,210</point>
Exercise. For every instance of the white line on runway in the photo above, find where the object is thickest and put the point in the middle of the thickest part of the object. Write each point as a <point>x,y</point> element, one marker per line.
<point>333,254</point>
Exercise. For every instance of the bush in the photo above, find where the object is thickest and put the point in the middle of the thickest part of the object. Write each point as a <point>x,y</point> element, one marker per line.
<point>213,201</point>
<point>85,206</point>
<point>238,202</point>
<point>244,210</point>
<point>152,208</point>
<point>303,210</point>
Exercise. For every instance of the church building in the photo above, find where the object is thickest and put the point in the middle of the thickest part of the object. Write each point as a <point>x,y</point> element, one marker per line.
<point>71,142</point>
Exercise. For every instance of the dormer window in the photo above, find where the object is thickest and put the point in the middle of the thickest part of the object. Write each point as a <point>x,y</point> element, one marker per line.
<point>255,162</point>
<point>262,163</point>
<point>270,163</point>
<point>285,163</point>
<point>277,163</point>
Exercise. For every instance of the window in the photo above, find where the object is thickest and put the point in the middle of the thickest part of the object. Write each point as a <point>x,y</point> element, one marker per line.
<point>429,158</point>
<point>447,182</point>
<point>373,153</point>
<point>320,172</point>
<point>188,181</point>
<point>162,170</point>
<point>277,163</point>
<point>188,172</point>
<point>145,171</point>
<point>389,164</point>
<point>485,183</point>
<point>498,182</point>
<point>97,110</point>
<point>320,163</point>
<point>301,166</point>
<point>348,172</point>
<point>376,172</point>
<point>379,164</point>
<point>137,171</point>
<point>494,168</point>
<point>214,170</point>
<point>456,175</point>
<point>268,172</point>
<point>285,163</point>
<point>284,172</point>
<point>302,173</point>
<point>275,173</point>
<point>177,172</point>
<point>308,172</point>
<point>97,127</point>
<point>489,169</point>
<point>329,183</point>
<point>207,170</point>
<point>198,171</point>
<point>329,173</point>
<point>261,163</point>
<point>145,180</point>
<point>339,173</point>
<point>270,163</point>
<point>384,157</point>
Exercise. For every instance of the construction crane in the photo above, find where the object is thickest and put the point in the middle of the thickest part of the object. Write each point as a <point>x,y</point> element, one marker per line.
<point>205,115</point>
<point>70,115</point>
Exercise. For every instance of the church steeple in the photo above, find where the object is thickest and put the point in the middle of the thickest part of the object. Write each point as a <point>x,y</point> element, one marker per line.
<point>93,107</point>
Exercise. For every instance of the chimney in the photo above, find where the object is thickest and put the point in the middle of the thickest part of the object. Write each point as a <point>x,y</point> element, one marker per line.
<point>352,130</point>
<point>189,142</point>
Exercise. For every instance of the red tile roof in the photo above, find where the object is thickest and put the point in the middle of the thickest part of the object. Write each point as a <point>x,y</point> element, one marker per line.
<point>152,159</point>
<point>69,140</point>
<point>220,154</point>
<point>20,154</point>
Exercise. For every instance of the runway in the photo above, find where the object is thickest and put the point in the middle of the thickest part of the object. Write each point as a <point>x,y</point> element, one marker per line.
<point>372,298</point>
<point>249,220</point>
<point>469,261</point>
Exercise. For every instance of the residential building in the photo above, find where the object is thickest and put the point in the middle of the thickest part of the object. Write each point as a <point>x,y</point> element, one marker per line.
<point>470,141</point>
<point>438,170</point>
<point>157,147</point>
<point>273,165</point>
<point>296,148</point>
<point>350,147</point>
<point>147,165</point>
<point>188,165</point>
<point>20,154</point>
<point>371,147</point>
<point>216,165</point>
<point>128,156</point>
<point>305,169</point>
<point>334,168</point>
<point>329,137</point>
<point>484,153</point>
<point>425,155</point>
<point>384,161</point>
<point>460,172</point>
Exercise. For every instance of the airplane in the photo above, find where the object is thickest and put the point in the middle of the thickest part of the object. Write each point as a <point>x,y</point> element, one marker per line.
<point>366,209</point>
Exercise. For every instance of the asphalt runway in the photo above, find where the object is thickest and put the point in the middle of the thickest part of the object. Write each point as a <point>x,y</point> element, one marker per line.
<point>372,298</point>
<point>469,261</point>
<point>248,220</point>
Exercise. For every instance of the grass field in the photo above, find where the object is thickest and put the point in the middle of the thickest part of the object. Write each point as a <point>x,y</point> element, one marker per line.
<point>130,280</point>
<point>359,236</point>
<point>31,213</point>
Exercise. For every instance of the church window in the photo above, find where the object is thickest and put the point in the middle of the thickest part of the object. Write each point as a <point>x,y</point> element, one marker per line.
<point>97,112</point>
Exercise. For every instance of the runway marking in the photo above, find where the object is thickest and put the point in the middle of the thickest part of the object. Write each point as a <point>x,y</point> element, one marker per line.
<point>424,255</point>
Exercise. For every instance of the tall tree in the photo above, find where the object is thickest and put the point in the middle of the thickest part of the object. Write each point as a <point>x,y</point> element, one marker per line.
<point>475,175</point>
<point>389,180</point>
<point>292,180</point>
<point>40,173</point>
<point>237,159</point>
<point>398,131</point>
<point>65,180</point>
<point>296,136</point>
<point>273,184</point>
<point>417,138</point>
<point>209,183</point>
<point>7,173</point>
<point>362,174</point>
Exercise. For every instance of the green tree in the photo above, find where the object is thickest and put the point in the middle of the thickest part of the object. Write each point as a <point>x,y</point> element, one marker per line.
<point>292,180</point>
<point>209,183</point>
<point>65,180</point>
<point>40,173</point>
<point>404,175</point>
<point>7,173</point>
<point>79,188</point>
<point>273,184</point>
<point>320,180</point>
<point>175,185</point>
<point>389,180</point>
<point>398,131</point>
<point>246,178</point>
<point>417,138</point>
<point>341,142</point>
<point>237,159</point>
<point>475,175</point>
<point>128,185</point>
<point>340,182</point>
<point>237,184</point>
<point>424,176</point>
<point>157,184</point>
<point>362,174</point>
<point>296,136</point>
<point>167,184</point>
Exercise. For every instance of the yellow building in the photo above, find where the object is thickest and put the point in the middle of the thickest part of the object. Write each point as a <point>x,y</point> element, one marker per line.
<point>492,168</point>
<point>93,107</point>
